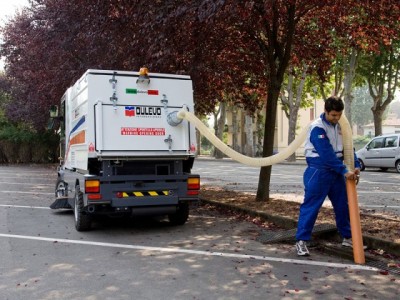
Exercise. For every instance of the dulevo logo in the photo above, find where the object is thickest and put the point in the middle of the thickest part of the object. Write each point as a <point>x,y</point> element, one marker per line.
<point>143,111</point>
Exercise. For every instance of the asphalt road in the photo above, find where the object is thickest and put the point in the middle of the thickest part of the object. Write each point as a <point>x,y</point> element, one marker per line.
<point>211,257</point>
<point>378,191</point>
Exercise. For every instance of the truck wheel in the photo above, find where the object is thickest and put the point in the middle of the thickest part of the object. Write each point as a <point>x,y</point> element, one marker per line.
<point>83,221</point>
<point>181,216</point>
<point>61,189</point>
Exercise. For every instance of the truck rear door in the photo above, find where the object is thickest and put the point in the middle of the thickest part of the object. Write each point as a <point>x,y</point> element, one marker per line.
<point>137,128</point>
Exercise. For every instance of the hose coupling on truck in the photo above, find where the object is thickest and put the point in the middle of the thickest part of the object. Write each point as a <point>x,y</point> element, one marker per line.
<point>173,120</point>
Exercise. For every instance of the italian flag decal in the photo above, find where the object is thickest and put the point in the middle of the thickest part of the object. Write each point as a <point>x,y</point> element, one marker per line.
<point>136,91</point>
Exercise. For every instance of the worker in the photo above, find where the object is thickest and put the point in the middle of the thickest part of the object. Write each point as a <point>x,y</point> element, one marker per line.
<point>325,175</point>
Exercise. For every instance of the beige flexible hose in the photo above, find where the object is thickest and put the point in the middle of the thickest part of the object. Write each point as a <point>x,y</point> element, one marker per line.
<point>347,143</point>
<point>250,161</point>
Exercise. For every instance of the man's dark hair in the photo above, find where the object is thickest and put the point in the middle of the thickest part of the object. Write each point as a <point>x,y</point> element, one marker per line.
<point>334,103</point>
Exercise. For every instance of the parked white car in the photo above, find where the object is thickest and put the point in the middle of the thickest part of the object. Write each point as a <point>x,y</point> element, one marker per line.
<point>381,152</point>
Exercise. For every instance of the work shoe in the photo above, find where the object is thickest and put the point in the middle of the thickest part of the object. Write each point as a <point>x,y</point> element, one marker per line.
<point>349,243</point>
<point>301,248</point>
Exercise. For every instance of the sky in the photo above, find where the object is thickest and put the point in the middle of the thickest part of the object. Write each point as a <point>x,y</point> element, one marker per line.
<point>7,9</point>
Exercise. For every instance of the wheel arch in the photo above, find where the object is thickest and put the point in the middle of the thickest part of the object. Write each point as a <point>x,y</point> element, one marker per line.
<point>362,164</point>
<point>397,165</point>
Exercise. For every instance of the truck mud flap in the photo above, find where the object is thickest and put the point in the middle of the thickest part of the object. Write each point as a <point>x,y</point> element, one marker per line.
<point>61,202</point>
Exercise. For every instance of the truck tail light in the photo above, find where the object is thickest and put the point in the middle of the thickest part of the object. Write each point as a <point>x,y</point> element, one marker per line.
<point>92,186</point>
<point>193,186</point>
<point>94,197</point>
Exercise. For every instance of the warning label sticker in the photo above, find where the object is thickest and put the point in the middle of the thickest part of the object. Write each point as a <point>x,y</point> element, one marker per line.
<point>142,131</point>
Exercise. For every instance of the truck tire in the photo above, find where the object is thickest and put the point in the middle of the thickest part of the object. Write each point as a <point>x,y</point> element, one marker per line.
<point>181,216</point>
<point>83,221</point>
<point>61,189</point>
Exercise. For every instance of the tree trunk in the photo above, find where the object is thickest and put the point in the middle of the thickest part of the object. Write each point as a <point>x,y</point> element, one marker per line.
<point>349,73</point>
<point>378,113</point>
<point>198,139</point>
<point>292,102</point>
<point>219,129</point>
<point>292,130</point>
<point>378,108</point>
<point>260,133</point>
<point>235,130</point>
<point>269,133</point>
<point>383,79</point>
<point>277,56</point>
<point>249,148</point>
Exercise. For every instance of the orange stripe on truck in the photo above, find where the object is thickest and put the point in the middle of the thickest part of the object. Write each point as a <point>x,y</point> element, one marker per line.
<point>79,138</point>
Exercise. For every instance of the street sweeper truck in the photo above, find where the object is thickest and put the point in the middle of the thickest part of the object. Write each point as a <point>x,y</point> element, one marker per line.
<point>122,148</point>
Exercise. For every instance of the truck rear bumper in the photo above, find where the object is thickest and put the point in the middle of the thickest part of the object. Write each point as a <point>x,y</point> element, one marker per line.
<point>148,201</point>
<point>136,210</point>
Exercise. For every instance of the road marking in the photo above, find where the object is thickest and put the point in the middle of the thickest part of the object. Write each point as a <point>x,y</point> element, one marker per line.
<point>29,176</point>
<point>23,206</point>
<point>30,192</point>
<point>366,184</point>
<point>13,171</point>
<point>376,192</point>
<point>380,206</point>
<point>25,178</point>
<point>25,183</point>
<point>198,252</point>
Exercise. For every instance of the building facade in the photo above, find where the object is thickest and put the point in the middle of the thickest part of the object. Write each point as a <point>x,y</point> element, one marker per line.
<point>389,126</point>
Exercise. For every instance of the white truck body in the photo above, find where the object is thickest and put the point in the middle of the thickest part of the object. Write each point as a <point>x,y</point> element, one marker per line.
<point>134,126</point>
<point>121,150</point>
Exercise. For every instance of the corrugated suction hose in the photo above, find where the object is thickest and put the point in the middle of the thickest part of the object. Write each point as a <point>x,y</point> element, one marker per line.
<point>250,161</point>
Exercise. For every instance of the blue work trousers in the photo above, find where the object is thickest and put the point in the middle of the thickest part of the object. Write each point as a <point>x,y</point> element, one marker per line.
<point>319,183</point>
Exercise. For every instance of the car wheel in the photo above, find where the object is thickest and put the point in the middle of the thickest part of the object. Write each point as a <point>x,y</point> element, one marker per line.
<point>362,166</point>
<point>83,221</point>
<point>398,166</point>
<point>181,216</point>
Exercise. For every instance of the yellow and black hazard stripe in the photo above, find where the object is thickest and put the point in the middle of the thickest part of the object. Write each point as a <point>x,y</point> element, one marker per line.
<point>145,193</point>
